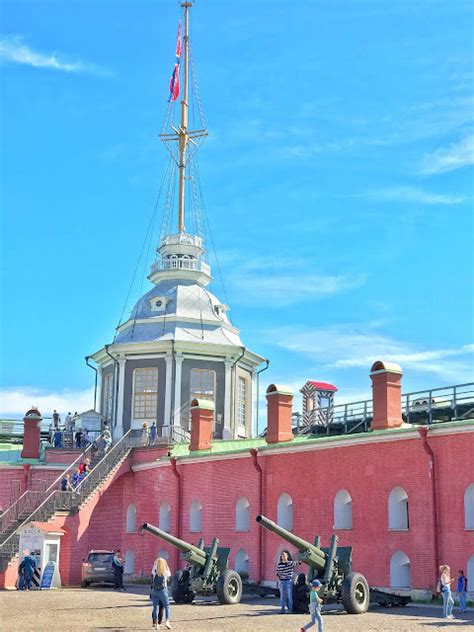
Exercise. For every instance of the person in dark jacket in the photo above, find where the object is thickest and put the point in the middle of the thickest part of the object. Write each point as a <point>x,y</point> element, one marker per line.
<point>29,569</point>
<point>301,595</point>
<point>117,564</point>
<point>78,438</point>
<point>21,575</point>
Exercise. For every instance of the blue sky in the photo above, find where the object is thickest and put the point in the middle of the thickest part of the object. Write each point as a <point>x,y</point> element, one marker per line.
<point>337,178</point>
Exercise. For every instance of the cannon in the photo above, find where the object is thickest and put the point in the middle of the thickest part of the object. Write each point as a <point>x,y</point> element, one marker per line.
<point>332,566</point>
<point>206,572</point>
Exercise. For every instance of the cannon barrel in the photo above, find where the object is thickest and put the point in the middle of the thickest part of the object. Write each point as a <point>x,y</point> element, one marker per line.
<point>310,554</point>
<point>194,553</point>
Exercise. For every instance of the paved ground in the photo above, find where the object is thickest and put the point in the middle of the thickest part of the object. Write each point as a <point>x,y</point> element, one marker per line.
<point>103,609</point>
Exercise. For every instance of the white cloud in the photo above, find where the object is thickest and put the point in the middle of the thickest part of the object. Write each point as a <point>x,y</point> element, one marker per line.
<point>449,158</point>
<point>346,346</point>
<point>13,49</point>
<point>285,281</point>
<point>412,195</point>
<point>17,401</point>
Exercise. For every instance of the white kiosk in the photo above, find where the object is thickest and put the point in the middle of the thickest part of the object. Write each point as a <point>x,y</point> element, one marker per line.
<point>43,541</point>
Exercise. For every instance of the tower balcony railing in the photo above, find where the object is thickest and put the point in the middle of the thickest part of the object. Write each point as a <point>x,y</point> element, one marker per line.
<point>180,263</point>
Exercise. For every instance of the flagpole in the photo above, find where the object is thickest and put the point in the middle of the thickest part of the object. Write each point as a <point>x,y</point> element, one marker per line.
<point>183,130</point>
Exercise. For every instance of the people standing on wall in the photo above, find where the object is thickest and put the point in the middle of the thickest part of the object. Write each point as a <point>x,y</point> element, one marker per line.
<point>78,438</point>
<point>85,438</point>
<point>56,419</point>
<point>58,438</point>
<point>445,585</point>
<point>462,591</point>
<point>68,422</point>
<point>284,571</point>
<point>145,434</point>
<point>160,575</point>
<point>153,433</point>
<point>118,566</point>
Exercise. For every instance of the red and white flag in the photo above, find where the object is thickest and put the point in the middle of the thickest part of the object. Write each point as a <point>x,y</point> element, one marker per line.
<point>174,82</point>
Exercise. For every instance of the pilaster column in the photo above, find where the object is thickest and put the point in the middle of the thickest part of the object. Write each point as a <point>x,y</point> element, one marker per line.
<point>98,405</point>
<point>120,397</point>
<point>177,389</point>
<point>227,429</point>
<point>167,420</point>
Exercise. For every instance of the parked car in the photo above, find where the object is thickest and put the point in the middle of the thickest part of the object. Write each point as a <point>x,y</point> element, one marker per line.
<point>97,567</point>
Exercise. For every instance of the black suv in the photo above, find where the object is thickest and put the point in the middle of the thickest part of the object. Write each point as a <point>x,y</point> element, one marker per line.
<point>97,567</point>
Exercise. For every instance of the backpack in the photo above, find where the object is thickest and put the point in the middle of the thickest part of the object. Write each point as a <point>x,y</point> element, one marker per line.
<point>158,582</point>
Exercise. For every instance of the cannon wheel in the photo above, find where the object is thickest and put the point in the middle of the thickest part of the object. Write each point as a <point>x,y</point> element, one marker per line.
<point>229,587</point>
<point>355,593</point>
<point>178,591</point>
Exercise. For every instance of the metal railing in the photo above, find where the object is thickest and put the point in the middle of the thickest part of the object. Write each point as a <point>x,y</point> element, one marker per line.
<point>56,500</point>
<point>31,500</point>
<point>41,506</point>
<point>180,264</point>
<point>435,405</point>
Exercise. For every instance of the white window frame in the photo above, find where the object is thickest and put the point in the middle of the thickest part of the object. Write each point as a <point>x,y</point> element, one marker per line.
<point>242,395</point>
<point>146,393</point>
<point>194,394</point>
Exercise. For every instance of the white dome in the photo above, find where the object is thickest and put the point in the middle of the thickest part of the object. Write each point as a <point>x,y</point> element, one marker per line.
<point>179,310</point>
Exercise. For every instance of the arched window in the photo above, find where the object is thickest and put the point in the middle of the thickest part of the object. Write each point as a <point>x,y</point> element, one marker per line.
<point>195,517</point>
<point>398,509</point>
<point>470,573</point>
<point>285,512</point>
<point>242,563</point>
<point>469,507</point>
<point>129,562</point>
<point>400,576</point>
<point>343,510</point>
<point>131,519</point>
<point>242,514</point>
<point>165,517</point>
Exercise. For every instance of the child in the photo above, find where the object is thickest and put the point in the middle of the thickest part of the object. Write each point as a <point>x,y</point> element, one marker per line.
<point>315,602</point>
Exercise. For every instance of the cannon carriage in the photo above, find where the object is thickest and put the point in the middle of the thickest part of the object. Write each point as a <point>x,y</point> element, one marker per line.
<point>206,572</point>
<point>332,566</point>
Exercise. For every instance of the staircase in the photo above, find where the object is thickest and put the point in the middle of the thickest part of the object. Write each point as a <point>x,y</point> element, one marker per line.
<point>42,506</point>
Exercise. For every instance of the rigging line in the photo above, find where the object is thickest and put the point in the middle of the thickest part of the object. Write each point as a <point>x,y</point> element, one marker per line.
<point>196,90</point>
<point>209,230</point>
<point>150,223</point>
<point>197,206</point>
<point>145,261</point>
<point>168,203</point>
<point>164,177</point>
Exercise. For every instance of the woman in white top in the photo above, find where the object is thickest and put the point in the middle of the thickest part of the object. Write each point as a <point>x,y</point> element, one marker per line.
<point>445,584</point>
<point>159,591</point>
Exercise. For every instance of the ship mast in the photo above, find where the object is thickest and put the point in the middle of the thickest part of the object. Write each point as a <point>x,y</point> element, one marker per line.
<point>182,134</point>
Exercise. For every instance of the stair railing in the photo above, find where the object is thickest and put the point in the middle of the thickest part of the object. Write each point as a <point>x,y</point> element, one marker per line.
<point>30,500</point>
<point>131,439</point>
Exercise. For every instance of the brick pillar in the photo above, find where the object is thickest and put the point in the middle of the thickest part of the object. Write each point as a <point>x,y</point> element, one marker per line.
<point>202,419</point>
<point>386,395</point>
<point>279,413</point>
<point>31,434</point>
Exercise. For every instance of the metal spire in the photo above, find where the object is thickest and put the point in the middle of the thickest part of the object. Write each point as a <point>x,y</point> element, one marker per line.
<point>181,133</point>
